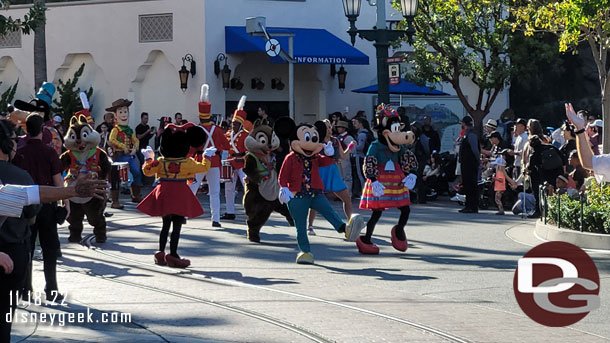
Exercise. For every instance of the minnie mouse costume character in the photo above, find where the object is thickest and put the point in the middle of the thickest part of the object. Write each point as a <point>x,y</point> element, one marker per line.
<point>172,198</point>
<point>385,166</point>
<point>301,183</point>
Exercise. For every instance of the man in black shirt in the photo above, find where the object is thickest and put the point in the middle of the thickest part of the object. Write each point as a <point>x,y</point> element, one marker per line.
<point>14,232</point>
<point>144,132</point>
<point>434,139</point>
<point>470,157</point>
<point>109,120</point>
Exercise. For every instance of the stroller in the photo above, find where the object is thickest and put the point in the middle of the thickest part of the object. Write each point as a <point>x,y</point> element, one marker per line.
<point>448,164</point>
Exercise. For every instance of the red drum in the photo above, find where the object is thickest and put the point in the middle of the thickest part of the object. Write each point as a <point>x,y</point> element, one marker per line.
<point>226,171</point>
<point>123,171</point>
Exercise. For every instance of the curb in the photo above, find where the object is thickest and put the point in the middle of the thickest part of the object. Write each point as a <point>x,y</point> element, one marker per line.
<point>585,240</point>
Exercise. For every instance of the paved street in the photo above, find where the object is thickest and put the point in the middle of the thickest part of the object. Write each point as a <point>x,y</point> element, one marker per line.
<point>453,284</point>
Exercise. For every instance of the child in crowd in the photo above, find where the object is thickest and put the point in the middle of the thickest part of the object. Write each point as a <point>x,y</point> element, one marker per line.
<point>500,178</point>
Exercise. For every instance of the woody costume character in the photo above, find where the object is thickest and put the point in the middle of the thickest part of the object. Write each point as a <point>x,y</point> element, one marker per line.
<point>215,139</point>
<point>125,144</point>
<point>172,199</point>
<point>237,151</point>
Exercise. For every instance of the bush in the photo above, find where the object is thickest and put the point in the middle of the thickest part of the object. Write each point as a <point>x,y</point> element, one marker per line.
<point>596,209</point>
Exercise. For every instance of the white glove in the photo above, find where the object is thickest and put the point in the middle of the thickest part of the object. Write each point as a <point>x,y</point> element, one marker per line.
<point>149,153</point>
<point>285,195</point>
<point>378,188</point>
<point>328,149</point>
<point>410,181</point>
<point>209,152</point>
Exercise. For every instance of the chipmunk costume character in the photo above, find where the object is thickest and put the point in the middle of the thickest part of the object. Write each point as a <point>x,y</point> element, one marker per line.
<point>388,168</point>
<point>172,199</point>
<point>84,156</point>
<point>301,183</point>
<point>262,187</point>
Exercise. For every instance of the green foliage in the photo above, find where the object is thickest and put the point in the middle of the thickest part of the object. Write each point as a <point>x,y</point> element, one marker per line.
<point>69,99</point>
<point>464,39</point>
<point>7,97</point>
<point>596,209</point>
<point>34,18</point>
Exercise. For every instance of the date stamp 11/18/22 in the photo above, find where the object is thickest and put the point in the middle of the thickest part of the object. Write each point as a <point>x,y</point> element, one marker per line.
<point>54,298</point>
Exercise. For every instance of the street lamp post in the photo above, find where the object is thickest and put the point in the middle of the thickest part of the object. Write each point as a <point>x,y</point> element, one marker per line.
<point>381,36</point>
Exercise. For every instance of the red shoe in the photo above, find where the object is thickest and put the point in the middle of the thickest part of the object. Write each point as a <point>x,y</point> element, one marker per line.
<point>175,262</point>
<point>160,258</point>
<point>366,249</point>
<point>398,244</point>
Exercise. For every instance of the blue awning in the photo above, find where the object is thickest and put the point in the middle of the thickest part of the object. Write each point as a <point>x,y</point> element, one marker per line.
<point>404,88</point>
<point>311,46</point>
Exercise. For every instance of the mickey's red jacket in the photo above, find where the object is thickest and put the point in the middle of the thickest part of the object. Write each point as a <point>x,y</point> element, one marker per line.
<point>291,173</point>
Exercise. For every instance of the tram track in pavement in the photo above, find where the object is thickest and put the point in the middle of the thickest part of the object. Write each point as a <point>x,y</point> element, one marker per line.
<point>186,274</point>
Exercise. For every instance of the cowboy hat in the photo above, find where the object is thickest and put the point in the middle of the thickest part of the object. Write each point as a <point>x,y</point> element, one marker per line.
<point>119,103</point>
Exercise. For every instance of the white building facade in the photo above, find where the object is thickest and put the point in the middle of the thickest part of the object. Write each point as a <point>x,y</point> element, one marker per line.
<point>134,48</point>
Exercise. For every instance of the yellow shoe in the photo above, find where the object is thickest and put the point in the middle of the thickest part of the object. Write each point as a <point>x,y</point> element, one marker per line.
<point>353,227</point>
<point>305,258</point>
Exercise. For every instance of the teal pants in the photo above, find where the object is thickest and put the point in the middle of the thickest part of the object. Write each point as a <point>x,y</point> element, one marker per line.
<point>299,210</point>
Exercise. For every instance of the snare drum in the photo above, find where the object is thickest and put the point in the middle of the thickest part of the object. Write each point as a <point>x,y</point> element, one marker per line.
<point>119,173</point>
<point>226,171</point>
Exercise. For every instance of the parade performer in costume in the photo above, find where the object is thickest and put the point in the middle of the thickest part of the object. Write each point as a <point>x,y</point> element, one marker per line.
<point>172,199</point>
<point>389,170</point>
<point>215,139</point>
<point>262,187</point>
<point>301,185</point>
<point>40,105</point>
<point>84,156</point>
<point>331,177</point>
<point>237,151</point>
<point>125,145</point>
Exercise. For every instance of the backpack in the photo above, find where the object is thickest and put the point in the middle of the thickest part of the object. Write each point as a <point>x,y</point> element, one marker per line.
<point>506,128</point>
<point>551,158</point>
<point>369,139</point>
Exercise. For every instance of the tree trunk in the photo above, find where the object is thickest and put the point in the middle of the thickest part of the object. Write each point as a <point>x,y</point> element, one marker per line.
<point>40,53</point>
<point>606,118</point>
<point>478,116</point>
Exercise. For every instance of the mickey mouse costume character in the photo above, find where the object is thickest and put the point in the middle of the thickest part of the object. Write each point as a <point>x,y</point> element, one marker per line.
<point>40,105</point>
<point>385,166</point>
<point>172,199</point>
<point>84,156</point>
<point>215,139</point>
<point>237,151</point>
<point>262,187</point>
<point>301,183</point>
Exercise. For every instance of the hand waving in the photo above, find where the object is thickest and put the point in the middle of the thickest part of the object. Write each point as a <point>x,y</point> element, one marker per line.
<point>578,121</point>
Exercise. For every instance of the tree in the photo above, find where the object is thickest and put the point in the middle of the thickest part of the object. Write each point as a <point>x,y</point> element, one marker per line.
<point>574,22</point>
<point>30,21</point>
<point>459,39</point>
<point>7,97</point>
<point>40,50</point>
<point>69,99</point>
